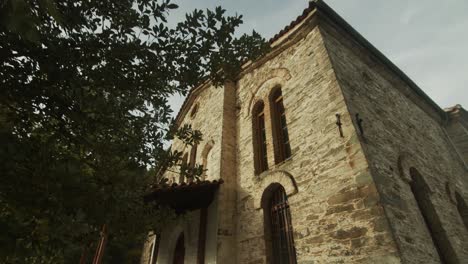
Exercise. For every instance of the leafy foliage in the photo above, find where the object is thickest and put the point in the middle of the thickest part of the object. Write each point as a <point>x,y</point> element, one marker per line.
<point>84,113</point>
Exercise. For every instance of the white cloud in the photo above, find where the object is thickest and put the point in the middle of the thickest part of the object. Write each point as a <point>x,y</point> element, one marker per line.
<point>427,39</point>
<point>427,43</point>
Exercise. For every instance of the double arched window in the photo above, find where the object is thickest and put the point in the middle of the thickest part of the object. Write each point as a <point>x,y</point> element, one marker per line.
<point>279,128</point>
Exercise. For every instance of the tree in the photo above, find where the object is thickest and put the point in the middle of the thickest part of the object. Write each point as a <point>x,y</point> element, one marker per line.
<point>84,113</point>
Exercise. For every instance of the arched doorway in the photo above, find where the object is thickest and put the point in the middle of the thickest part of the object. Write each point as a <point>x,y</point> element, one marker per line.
<point>179,252</point>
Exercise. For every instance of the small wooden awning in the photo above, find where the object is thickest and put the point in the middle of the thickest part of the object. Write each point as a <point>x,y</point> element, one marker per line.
<point>185,196</point>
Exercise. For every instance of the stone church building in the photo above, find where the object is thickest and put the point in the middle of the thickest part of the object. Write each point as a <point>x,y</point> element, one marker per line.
<point>321,151</point>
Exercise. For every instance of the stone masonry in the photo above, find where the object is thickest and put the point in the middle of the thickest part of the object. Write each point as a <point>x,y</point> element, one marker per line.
<point>350,197</point>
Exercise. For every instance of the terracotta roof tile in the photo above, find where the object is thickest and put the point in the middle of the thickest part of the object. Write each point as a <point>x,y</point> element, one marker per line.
<point>185,196</point>
<point>181,186</point>
<point>294,22</point>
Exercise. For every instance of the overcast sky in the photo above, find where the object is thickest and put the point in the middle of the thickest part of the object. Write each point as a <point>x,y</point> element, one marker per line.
<point>427,39</point>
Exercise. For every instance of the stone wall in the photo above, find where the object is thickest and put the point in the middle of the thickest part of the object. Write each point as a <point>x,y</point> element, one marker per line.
<point>457,128</point>
<point>333,200</point>
<point>226,198</point>
<point>208,120</point>
<point>189,226</point>
<point>350,196</point>
<point>402,131</point>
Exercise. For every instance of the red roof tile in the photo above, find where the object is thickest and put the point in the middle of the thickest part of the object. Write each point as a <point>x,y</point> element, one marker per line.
<point>185,196</point>
<point>294,22</point>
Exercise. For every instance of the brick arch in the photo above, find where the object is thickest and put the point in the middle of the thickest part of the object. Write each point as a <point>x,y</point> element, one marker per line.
<point>282,178</point>
<point>276,77</point>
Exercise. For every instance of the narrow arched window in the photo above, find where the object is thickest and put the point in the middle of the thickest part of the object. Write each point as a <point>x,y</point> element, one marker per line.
<point>193,160</point>
<point>432,221</point>
<point>259,138</point>
<point>280,128</point>
<point>206,158</point>
<point>193,156</point>
<point>179,252</point>
<point>281,230</point>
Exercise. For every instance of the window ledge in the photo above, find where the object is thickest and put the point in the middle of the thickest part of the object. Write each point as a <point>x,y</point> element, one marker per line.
<point>283,162</point>
<point>274,167</point>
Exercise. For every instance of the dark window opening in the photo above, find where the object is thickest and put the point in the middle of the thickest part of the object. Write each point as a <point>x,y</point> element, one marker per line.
<point>155,250</point>
<point>193,158</point>
<point>193,155</point>
<point>179,252</point>
<point>202,236</point>
<point>259,139</point>
<point>462,209</point>
<point>280,128</point>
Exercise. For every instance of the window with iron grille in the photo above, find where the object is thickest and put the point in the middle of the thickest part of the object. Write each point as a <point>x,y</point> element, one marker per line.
<point>282,241</point>
<point>259,138</point>
<point>280,128</point>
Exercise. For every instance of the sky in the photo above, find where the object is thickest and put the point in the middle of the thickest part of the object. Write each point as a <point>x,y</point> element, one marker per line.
<point>427,39</point>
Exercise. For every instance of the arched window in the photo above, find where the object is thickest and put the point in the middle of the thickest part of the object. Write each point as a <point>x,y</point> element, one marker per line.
<point>462,209</point>
<point>183,167</point>
<point>280,128</point>
<point>206,158</point>
<point>433,223</point>
<point>193,155</point>
<point>279,230</point>
<point>259,138</point>
<point>193,159</point>
<point>179,252</point>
